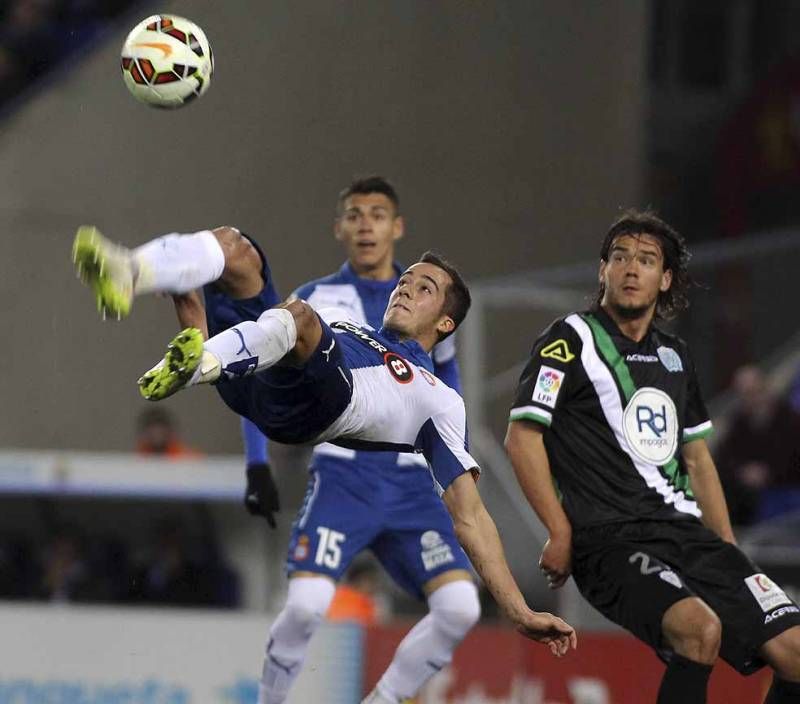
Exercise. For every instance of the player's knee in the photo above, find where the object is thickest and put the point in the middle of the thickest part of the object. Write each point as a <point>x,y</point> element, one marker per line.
<point>241,257</point>
<point>693,630</point>
<point>456,608</point>
<point>305,318</point>
<point>307,602</point>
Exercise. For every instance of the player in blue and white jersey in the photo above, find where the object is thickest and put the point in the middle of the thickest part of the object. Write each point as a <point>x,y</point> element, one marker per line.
<point>377,500</point>
<point>302,379</point>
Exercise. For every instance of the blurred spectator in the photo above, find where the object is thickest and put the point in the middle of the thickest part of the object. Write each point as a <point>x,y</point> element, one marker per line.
<point>66,575</point>
<point>759,452</point>
<point>157,434</point>
<point>36,35</point>
<point>175,575</point>
<point>358,598</point>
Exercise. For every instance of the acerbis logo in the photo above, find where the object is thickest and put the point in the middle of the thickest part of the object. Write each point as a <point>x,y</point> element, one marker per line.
<point>398,367</point>
<point>558,350</point>
<point>650,425</point>
<point>780,612</point>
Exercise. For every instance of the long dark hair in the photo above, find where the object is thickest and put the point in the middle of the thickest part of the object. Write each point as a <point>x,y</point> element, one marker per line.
<point>676,257</point>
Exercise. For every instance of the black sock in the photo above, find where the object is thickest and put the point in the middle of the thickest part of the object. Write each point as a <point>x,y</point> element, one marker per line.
<point>783,692</point>
<point>685,682</point>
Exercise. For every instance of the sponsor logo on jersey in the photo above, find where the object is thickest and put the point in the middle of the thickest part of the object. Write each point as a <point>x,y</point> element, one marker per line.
<point>360,334</point>
<point>783,611</point>
<point>301,549</point>
<point>670,359</point>
<point>430,378</point>
<point>435,551</point>
<point>641,358</point>
<point>558,350</point>
<point>398,367</point>
<point>650,425</point>
<point>768,594</point>
<point>548,384</point>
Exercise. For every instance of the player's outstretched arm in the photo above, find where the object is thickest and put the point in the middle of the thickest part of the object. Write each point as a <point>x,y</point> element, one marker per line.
<point>478,535</point>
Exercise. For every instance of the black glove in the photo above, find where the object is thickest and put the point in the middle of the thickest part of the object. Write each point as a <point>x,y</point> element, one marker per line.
<point>261,496</point>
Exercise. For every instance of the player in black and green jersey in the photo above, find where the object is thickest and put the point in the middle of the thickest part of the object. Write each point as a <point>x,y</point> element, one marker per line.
<point>611,404</point>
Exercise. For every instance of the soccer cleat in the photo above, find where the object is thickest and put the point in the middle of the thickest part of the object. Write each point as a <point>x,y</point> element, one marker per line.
<point>106,268</point>
<point>176,370</point>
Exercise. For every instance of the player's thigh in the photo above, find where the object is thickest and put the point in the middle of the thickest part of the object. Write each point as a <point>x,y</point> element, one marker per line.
<point>331,528</point>
<point>421,547</point>
<point>752,608</point>
<point>631,584</point>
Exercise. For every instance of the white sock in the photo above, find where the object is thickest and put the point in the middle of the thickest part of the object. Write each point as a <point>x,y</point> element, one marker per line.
<point>178,263</point>
<point>306,605</point>
<point>248,347</point>
<point>429,646</point>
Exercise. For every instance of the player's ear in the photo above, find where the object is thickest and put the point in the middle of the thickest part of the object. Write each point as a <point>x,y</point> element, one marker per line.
<point>666,280</point>
<point>601,272</point>
<point>337,229</point>
<point>446,325</point>
<point>398,228</point>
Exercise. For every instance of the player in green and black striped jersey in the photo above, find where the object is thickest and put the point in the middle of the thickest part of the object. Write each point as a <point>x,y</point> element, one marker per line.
<point>609,405</point>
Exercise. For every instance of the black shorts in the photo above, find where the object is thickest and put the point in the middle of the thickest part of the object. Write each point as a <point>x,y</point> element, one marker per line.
<point>634,572</point>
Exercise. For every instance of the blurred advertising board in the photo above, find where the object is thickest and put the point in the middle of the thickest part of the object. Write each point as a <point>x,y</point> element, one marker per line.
<point>73,655</point>
<point>494,665</point>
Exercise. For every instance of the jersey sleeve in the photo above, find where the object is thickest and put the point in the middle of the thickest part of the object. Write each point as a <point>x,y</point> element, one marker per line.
<point>443,440</point>
<point>696,422</point>
<point>445,363</point>
<point>544,384</point>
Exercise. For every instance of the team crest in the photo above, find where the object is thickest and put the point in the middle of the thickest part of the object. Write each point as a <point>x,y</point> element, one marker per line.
<point>558,350</point>
<point>670,359</point>
<point>301,548</point>
<point>398,367</point>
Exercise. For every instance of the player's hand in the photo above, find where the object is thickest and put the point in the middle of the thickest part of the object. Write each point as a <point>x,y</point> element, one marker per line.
<point>545,628</point>
<point>261,496</point>
<point>556,561</point>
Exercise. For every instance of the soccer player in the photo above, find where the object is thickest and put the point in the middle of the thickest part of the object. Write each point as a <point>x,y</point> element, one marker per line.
<point>610,404</point>
<point>377,500</point>
<point>304,379</point>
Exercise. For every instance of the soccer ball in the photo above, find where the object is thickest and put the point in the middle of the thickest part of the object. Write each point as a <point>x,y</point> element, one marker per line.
<point>167,61</point>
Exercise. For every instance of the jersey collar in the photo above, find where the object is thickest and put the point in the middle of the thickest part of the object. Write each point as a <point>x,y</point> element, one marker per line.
<point>412,349</point>
<point>613,329</point>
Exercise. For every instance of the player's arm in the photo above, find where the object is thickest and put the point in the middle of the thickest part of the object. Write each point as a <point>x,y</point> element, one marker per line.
<point>707,488</point>
<point>525,447</point>
<point>477,533</point>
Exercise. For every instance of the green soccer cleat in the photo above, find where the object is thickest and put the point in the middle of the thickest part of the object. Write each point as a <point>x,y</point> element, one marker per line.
<point>172,373</point>
<point>107,269</point>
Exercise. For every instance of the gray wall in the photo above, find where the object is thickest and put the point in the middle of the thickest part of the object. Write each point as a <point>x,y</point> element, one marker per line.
<point>512,129</point>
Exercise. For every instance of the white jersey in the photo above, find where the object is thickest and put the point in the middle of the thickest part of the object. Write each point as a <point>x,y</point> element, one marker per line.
<point>397,403</point>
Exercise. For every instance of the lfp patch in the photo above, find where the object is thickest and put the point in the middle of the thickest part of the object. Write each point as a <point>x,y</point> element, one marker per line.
<point>766,592</point>
<point>548,384</point>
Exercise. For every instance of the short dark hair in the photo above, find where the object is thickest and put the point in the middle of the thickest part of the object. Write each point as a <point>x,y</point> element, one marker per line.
<point>364,185</point>
<point>456,298</point>
<point>676,257</point>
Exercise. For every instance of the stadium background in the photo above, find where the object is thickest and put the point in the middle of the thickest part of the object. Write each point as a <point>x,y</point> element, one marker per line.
<point>514,132</point>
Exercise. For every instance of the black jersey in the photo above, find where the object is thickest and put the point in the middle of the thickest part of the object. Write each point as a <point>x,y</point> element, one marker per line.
<point>616,413</point>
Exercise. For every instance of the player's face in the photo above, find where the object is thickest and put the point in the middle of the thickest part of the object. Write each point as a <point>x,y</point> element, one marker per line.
<point>415,306</point>
<point>634,275</point>
<point>368,227</point>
